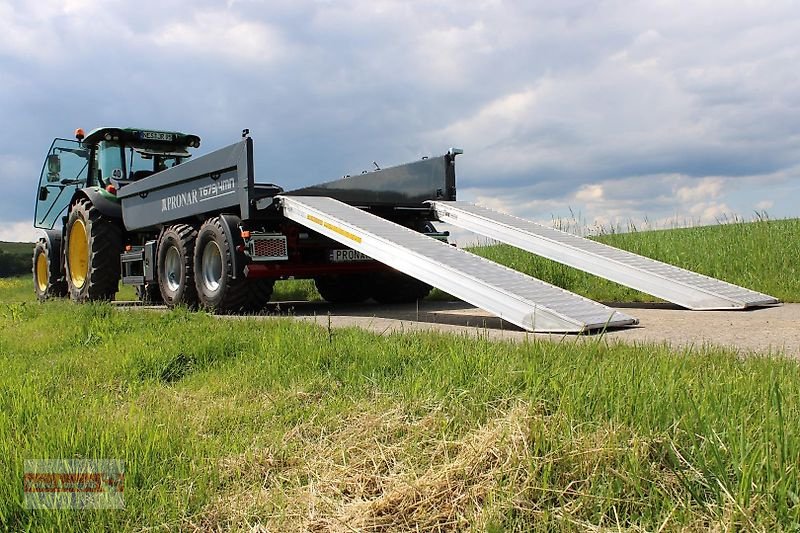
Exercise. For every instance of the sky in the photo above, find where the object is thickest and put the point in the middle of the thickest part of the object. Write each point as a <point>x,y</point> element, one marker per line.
<point>604,113</point>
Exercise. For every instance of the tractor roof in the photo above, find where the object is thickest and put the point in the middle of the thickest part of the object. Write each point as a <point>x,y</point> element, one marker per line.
<point>143,136</point>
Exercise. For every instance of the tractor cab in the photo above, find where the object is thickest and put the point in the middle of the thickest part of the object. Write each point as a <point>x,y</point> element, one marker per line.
<point>106,159</point>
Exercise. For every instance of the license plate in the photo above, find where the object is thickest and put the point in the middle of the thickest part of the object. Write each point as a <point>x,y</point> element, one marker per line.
<point>347,256</point>
<point>156,136</point>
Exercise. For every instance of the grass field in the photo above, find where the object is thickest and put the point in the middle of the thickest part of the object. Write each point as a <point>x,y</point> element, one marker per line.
<point>285,426</point>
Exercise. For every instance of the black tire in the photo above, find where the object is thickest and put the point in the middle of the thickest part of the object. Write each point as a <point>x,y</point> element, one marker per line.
<point>48,279</point>
<point>216,289</point>
<point>349,289</point>
<point>175,265</point>
<point>149,293</point>
<point>92,245</point>
<point>397,288</point>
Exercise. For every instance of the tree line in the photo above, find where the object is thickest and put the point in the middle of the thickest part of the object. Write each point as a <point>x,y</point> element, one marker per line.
<point>15,263</point>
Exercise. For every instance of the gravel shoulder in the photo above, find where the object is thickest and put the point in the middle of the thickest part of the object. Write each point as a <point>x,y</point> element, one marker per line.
<point>771,330</point>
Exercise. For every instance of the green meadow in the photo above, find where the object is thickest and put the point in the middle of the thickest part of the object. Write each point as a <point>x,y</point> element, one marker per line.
<point>271,424</point>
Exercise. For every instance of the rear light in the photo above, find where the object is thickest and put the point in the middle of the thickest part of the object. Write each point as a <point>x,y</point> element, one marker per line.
<point>245,234</point>
<point>128,247</point>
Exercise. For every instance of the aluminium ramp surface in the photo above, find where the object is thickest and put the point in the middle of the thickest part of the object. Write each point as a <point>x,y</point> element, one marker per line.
<point>520,299</point>
<point>668,282</point>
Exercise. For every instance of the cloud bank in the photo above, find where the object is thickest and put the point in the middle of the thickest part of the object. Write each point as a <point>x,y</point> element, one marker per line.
<point>615,110</point>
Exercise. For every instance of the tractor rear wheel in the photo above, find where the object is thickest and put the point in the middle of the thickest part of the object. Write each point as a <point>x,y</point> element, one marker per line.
<point>149,293</point>
<point>48,279</point>
<point>397,288</point>
<point>175,266</point>
<point>345,289</point>
<point>93,244</point>
<point>217,290</point>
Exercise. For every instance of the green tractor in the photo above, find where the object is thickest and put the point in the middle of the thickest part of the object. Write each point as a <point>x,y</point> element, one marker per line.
<point>79,211</point>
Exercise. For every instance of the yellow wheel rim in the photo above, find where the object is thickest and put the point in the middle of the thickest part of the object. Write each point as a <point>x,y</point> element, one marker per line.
<point>78,253</point>
<point>41,272</point>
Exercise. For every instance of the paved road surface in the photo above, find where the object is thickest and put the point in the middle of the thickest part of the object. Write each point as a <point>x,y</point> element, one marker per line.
<point>774,329</point>
<point>761,331</point>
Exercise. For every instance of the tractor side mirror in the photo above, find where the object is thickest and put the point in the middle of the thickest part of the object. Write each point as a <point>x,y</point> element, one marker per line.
<point>43,192</point>
<point>53,168</point>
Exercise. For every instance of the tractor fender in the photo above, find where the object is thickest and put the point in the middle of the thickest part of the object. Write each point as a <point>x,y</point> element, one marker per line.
<point>101,202</point>
<point>53,239</point>
<point>230,225</point>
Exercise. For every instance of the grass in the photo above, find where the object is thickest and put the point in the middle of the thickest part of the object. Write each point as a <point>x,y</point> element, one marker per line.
<point>285,426</point>
<point>280,425</point>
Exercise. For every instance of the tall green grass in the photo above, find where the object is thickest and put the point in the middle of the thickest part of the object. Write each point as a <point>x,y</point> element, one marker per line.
<point>245,422</point>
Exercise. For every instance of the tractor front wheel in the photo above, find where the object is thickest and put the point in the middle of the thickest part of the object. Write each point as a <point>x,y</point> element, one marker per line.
<point>48,279</point>
<point>93,245</point>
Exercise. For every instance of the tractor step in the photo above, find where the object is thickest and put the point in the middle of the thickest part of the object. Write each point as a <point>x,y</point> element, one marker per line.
<point>668,282</point>
<point>525,301</point>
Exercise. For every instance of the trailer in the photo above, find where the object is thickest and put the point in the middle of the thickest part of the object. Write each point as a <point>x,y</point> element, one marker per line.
<point>132,205</point>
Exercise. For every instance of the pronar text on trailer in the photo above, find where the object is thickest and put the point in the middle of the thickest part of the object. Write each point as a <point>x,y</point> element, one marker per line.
<point>133,205</point>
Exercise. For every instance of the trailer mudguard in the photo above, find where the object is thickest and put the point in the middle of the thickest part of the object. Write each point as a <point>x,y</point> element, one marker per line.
<point>230,224</point>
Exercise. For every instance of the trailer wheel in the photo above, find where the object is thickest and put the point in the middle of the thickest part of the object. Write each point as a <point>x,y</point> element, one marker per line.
<point>175,265</point>
<point>48,280</point>
<point>344,289</point>
<point>217,290</point>
<point>92,247</point>
<point>396,288</point>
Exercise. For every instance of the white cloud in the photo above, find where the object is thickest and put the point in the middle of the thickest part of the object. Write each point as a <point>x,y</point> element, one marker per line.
<point>19,232</point>
<point>613,110</point>
<point>224,35</point>
<point>590,193</point>
<point>700,190</point>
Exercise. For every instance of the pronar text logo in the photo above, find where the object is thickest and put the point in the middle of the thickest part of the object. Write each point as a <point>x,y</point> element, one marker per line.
<point>199,194</point>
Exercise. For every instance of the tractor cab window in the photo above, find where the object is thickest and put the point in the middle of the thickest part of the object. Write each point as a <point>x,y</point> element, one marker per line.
<point>144,161</point>
<point>64,171</point>
<point>109,163</point>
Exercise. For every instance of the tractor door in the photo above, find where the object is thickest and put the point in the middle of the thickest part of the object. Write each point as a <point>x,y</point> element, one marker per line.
<point>65,170</point>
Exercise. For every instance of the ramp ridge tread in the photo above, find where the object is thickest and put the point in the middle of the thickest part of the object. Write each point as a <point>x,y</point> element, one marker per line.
<point>540,294</point>
<point>654,267</point>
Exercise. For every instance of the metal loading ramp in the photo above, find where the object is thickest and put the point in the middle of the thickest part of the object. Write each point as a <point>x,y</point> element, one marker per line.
<point>668,282</point>
<point>520,299</point>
